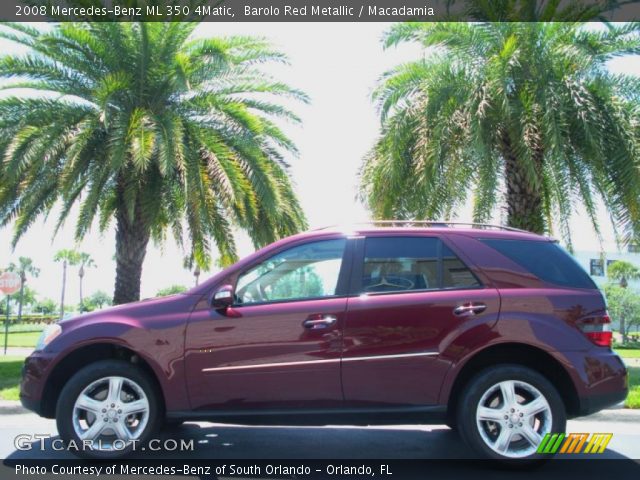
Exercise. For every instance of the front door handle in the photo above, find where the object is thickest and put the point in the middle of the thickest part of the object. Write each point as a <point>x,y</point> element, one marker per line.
<point>317,322</point>
<point>468,309</point>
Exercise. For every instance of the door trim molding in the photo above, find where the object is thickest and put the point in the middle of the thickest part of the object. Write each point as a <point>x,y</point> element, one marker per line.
<point>321,361</point>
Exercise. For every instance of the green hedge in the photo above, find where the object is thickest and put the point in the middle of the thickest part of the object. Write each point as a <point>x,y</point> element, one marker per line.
<point>31,319</point>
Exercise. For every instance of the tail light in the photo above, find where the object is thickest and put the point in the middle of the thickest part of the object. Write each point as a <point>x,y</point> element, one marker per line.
<point>598,330</point>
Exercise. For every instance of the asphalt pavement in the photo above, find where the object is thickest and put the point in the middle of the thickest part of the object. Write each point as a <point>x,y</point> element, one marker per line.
<point>216,441</point>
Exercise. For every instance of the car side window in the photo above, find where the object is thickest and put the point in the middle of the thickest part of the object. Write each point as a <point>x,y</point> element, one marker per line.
<point>395,264</point>
<point>456,274</point>
<point>302,272</point>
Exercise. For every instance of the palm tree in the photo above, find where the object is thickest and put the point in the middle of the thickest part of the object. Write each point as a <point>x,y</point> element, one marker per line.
<point>24,267</point>
<point>67,257</point>
<point>152,128</point>
<point>524,115</point>
<point>84,261</point>
<point>623,271</point>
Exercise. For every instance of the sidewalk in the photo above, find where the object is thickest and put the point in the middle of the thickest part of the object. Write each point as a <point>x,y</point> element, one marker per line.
<point>17,351</point>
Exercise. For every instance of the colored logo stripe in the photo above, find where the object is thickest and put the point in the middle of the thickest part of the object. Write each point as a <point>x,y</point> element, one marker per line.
<point>598,442</point>
<point>550,443</point>
<point>574,442</point>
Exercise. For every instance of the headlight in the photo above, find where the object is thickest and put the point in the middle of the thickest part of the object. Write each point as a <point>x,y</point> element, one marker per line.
<point>48,334</point>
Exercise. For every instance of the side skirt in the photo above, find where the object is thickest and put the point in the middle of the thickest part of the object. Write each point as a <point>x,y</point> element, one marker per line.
<point>433,414</point>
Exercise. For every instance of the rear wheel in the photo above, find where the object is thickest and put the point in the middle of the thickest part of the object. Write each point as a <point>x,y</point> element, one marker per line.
<point>506,411</point>
<point>107,409</point>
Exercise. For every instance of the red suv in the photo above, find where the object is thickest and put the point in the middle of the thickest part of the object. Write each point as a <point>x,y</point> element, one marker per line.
<point>499,333</point>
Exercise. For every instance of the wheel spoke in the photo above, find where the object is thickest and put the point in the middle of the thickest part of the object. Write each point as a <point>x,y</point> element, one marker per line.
<point>489,414</point>
<point>85,402</point>
<point>115,388</point>
<point>535,406</point>
<point>136,406</point>
<point>508,391</point>
<point>121,430</point>
<point>93,431</point>
<point>531,435</point>
<point>504,440</point>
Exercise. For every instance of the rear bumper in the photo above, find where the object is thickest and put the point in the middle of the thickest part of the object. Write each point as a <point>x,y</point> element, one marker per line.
<point>589,405</point>
<point>601,380</point>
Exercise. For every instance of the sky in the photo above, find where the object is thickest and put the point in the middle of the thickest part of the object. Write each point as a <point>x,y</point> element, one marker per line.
<point>337,65</point>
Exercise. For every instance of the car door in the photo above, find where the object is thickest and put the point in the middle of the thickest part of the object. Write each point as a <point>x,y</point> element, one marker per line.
<point>279,344</point>
<point>413,296</point>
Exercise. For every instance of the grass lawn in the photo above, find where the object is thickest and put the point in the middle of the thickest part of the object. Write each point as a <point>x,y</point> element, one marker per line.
<point>633,399</point>
<point>629,353</point>
<point>20,339</point>
<point>10,371</point>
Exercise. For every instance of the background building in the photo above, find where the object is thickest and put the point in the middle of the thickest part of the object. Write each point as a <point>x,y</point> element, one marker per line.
<point>596,262</point>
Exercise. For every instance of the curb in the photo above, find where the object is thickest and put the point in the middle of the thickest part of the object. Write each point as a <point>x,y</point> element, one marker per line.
<point>12,407</point>
<point>614,415</point>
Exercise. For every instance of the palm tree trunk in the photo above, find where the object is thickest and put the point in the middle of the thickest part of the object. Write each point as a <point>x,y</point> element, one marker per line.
<point>524,203</point>
<point>64,285</point>
<point>131,247</point>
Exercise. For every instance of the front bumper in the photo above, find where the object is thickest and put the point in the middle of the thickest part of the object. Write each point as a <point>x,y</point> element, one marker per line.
<point>32,386</point>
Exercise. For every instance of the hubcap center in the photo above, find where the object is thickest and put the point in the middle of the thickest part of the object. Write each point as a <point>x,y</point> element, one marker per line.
<point>111,413</point>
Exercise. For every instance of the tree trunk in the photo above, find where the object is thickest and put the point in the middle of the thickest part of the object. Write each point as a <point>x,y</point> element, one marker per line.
<point>131,247</point>
<point>64,285</point>
<point>524,202</point>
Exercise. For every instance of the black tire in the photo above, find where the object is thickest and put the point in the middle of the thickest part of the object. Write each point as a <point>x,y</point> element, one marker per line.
<point>484,382</point>
<point>85,377</point>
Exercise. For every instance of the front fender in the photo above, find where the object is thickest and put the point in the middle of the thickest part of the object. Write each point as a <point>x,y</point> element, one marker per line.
<point>154,331</point>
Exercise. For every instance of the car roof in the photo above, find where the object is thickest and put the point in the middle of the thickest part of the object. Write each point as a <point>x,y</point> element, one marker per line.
<point>479,231</point>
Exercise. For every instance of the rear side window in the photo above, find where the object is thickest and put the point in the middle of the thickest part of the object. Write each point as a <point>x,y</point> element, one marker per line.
<point>395,264</point>
<point>546,260</point>
<point>455,274</point>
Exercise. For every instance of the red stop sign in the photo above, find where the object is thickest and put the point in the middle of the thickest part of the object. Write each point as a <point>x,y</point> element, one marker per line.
<point>9,283</point>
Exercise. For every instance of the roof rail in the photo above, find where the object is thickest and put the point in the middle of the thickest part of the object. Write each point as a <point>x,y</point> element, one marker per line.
<point>424,223</point>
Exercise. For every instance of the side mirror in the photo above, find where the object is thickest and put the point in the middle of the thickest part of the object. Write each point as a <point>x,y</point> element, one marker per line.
<point>223,298</point>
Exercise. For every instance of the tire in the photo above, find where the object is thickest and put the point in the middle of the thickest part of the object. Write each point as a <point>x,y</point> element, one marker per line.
<point>523,428</point>
<point>98,397</point>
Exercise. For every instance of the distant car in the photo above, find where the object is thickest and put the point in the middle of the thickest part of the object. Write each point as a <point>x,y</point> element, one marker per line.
<point>498,333</point>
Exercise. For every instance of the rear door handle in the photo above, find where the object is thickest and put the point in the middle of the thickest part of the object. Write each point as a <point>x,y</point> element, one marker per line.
<point>468,309</point>
<point>318,322</point>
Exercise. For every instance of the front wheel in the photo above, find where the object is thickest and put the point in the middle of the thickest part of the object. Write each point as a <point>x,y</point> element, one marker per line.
<point>507,410</point>
<point>107,409</point>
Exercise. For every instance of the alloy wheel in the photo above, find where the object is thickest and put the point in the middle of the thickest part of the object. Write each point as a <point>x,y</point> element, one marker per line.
<point>513,417</point>
<point>111,412</point>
